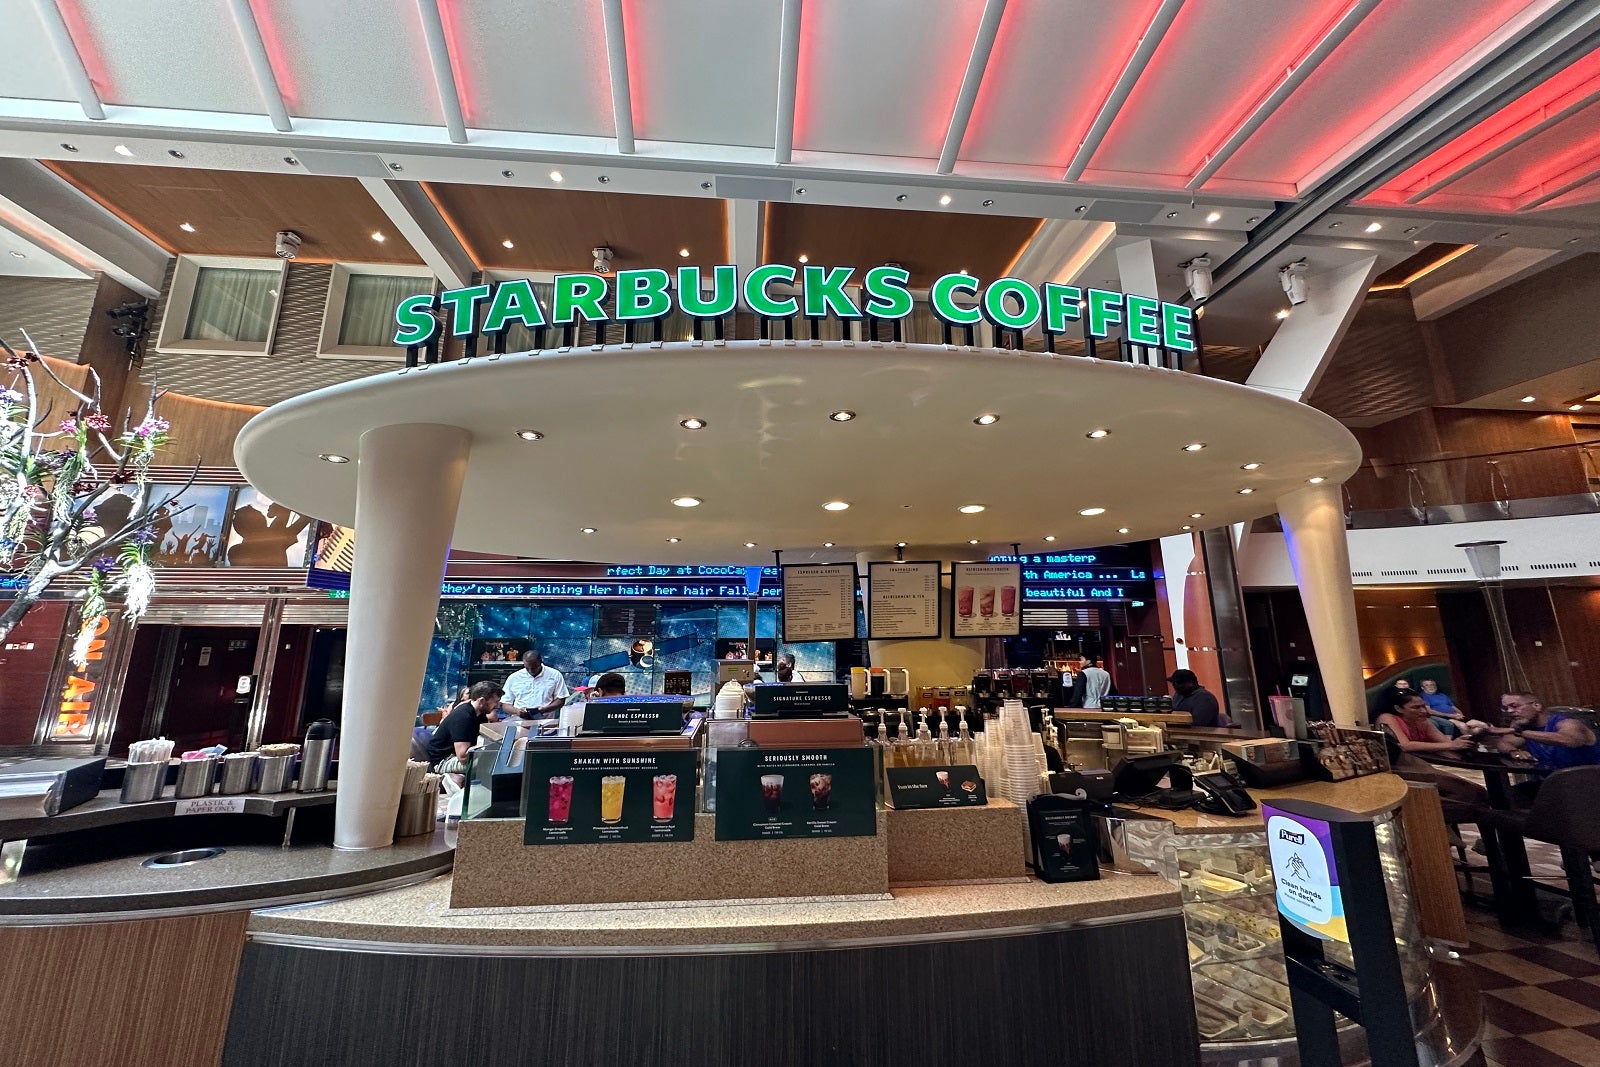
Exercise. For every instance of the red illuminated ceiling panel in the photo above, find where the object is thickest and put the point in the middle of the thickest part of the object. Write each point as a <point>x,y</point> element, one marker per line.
<point>1218,60</point>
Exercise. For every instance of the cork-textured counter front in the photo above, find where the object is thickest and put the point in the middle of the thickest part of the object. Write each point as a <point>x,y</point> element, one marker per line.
<point>950,845</point>
<point>422,915</point>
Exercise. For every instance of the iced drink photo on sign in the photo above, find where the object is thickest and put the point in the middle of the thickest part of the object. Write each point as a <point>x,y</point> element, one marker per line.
<point>1008,600</point>
<point>665,796</point>
<point>560,798</point>
<point>772,792</point>
<point>964,601</point>
<point>986,601</point>
<point>611,787</point>
<point>821,790</point>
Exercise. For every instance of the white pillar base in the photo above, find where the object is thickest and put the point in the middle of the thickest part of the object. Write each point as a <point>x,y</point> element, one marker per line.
<point>407,491</point>
<point>1313,522</point>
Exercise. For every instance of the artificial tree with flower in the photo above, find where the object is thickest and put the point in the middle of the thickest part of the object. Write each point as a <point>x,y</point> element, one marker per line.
<point>50,480</point>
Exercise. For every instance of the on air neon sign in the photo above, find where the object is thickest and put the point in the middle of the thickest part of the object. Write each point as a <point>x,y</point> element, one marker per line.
<point>637,296</point>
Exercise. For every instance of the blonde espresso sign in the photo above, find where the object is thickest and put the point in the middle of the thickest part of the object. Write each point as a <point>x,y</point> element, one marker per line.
<point>812,292</point>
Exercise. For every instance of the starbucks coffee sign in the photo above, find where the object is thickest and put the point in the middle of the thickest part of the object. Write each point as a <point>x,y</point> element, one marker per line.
<point>636,296</point>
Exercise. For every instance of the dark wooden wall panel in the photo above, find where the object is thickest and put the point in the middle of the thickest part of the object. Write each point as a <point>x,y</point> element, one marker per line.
<point>1113,996</point>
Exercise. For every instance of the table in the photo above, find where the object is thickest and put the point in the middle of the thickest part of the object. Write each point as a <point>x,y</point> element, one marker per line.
<point>1515,900</point>
<point>1496,769</point>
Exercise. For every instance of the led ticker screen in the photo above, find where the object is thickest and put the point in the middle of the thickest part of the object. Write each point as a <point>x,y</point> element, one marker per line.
<point>1088,575</point>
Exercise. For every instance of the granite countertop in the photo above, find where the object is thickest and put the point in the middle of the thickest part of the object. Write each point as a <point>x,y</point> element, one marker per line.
<point>1369,796</point>
<point>246,875</point>
<point>420,914</point>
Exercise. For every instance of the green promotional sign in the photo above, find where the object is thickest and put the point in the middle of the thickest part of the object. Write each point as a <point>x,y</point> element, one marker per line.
<point>581,796</point>
<point>776,793</point>
<point>936,787</point>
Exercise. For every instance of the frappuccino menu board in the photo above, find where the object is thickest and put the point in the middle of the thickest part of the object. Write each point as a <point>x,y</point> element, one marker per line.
<point>775,793</point>
<point>576,796</point>
<point>902,600</point>
<point>988,599</point>
<point>819,602</point>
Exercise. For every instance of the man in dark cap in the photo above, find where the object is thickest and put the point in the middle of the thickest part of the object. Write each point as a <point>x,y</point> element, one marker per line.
<point>1196,699</point>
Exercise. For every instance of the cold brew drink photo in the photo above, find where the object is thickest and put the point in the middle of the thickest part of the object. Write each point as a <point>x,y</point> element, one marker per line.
<point>611,787</point>
<point>772,792</point>
<point>821,790</point>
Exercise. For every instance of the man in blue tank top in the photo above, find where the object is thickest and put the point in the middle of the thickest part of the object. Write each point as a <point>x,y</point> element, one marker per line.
<point>1554,738</point>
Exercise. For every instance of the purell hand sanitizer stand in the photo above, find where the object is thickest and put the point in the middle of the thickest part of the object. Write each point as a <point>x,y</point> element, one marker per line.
<point>1330,891</point>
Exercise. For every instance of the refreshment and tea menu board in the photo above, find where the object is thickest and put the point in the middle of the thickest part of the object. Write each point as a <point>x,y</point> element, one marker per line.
<point>902,600</point>
<point>988,599</point>
<point>819,602</point>
<point>775,793</point>
<point>581,796</point>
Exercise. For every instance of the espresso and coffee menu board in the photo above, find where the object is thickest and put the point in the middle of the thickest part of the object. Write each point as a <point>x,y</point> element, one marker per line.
<point>902,600</point>
<point>988,599</point>
<point>575,796</point>
<point>781,793</point>
<point>936,787</point>
<point>819,602</point>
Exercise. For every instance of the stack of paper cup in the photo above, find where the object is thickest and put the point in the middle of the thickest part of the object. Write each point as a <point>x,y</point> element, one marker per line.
<point>1020,753</point>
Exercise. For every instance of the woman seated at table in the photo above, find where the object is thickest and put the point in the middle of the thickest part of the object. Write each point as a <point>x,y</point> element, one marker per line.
<point>1407,721</point>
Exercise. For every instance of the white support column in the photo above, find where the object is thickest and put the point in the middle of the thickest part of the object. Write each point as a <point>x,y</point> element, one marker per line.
<point>1299,352</point>
<point>407,490</point>
<point>1136,266</point>
<point>1313,523</point>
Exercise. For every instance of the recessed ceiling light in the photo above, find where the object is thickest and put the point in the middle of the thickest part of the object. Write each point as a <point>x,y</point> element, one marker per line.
<point>333,457</point>
<point>556,176</point>
<point>899,544</point>
<point>1334,225</point>
<point>1529,399</point>
<point>987,419</point>
<point>378,237</point>
<point>186,227</point>
<point>1186,529</point>
<point>1195,447</point>
<point>174,153</point>
<point>1573,240</point>
<point>293,162</point>
<point>1409,230</point>
<point>1250,466</point>
<point>970,509</point>
<point>122,150</point>
<point>804,258</point>
<point>1091,512</point>
<point>1215,216</point>
<point>988,203</point>
<point>900,199</point>
<point>507,243</point>
<point>687,501</point>
<point>604,179</point>
<point>1095,435</point>
<point>692,424</point>
<point>1252,220</point>
<point>508,174</point>
<point>1316,481</point>
<point>1172,214</point>
<point>1570,407</point>
<point>69,147</point>
<point>396,166</point>
<point>530,435</point>
<point>1049,537</point>
<point>673,540</point>
<point>1374,227</point>
<point>19,255</point>
<point>1122,529</point>
<point>683,253</point>
<point>1246,491</point>
<point>1502,235</point>
<point>827,544</point>
<point>842,415</point>
<point>1283,313</point>
<point>944,200</point>
<point>973,541</point>
<point>836,505</point>
<point>749,544</point>
<point>587,530</point>
<point>1080,209</point>
<point>1197,514</point>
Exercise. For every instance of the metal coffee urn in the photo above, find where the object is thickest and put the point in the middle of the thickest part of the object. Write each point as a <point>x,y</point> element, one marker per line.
<point>316,757</point>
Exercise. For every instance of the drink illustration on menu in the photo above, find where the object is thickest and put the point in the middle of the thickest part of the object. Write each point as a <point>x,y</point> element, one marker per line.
<point>985,596</point>
<point>576,797</point>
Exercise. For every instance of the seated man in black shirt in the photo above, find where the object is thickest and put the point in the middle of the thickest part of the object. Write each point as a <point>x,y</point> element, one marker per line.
<point>455,736</point>
<point>1196,699</point>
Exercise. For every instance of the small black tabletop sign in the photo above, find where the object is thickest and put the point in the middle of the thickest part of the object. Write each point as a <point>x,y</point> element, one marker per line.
<point>936,787</point>
<point>635,715</point>
<point>1063,836</point>
<point>580,796</point>
<point>800,700</point>
<point>810,792</point>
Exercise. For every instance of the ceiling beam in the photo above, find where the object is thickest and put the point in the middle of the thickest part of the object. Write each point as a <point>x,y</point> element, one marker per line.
<point>57,215</point>
<point>444,75</point>
<point>1060,250</point>
<point>55,27</point>
<point>617,60</point>
<point>1476,275</point>
<point>424,228</point>
<point>977,63</point>
<point>1302,348</point>
<point>1292,80</point>
<point>1112,107</point>
<point>1455,174</point>
<point>788,81</point>
<point>255,51</point>
<point>1565,182</point>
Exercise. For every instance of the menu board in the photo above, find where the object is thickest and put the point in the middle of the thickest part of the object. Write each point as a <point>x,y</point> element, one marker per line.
<point>902,600</point>
<point>819,602</point>
<point>774,793</point>
<point>936,787</point>
<point>987,601</point>
<point>581,796</point>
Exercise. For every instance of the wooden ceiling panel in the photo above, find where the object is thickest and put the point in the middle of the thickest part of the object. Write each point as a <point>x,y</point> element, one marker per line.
<point>556,229</point>
<point>926,243</point>
<point>236,213</point>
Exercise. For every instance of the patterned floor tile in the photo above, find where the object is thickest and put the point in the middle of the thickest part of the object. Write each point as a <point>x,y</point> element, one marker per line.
<point>1492,937</point>
<point>1575,1046</point>
<point>1521,1052</point>
<point>1558,1010</point>
<point>1523,970</point>
<point>1511,1018</point>
<point>1575,959</point>
<point>1579,992</point>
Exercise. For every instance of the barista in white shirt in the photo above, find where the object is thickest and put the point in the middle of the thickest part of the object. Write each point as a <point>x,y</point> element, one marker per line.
<point>535,691</point>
